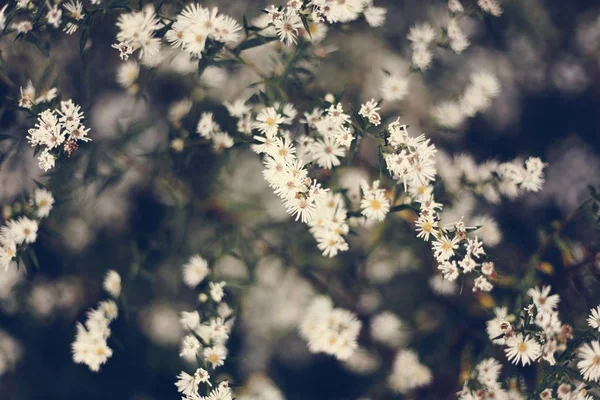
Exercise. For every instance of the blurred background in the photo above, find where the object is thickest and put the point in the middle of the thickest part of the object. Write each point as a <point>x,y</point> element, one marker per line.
<point>160,207</point>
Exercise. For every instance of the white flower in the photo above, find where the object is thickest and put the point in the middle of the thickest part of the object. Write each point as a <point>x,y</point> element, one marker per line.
<point>326,152</point>
<point>444,247</point>
<point>442,286</point>
<point>128,73</point>
<point>522,349</point>
<point>190,320</point>
<point>422,34</point>
<point>374,205</point>
<point>394,88</point>
<point>455,6</point>
<point>206,125</point>
<point>496,327</point>
<point>215,355</point>
<point>190,347</point>
<point>330,330</point>
<point>89,346</point>
<point>408,373</point>
<point>194,271</point>
<point>369,110</point>
<point>542,300</point>
<point>388,329</point>
<point>268,121</point>
<point>43,201</point>
<point>46,160</point>
<point>594,318</point>
<point>238,108</point>
<point>375,16</point>
<point>216,291</point>
<point>221,140</point>
<point>136,32</point>
<point>488,372</point>
<point>187,384</point>
<point>490,6</point>
<point>287,26</point>
<point>21,231</point>
<point>112,283</point>
<point>589,364</point>
<point>481,283</point>
<point>54,16</point>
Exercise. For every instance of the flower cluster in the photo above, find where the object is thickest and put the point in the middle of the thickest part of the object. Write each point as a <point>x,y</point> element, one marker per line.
<point>477,97</point>
<point>492,179</point>
<point>369,110</point>
<point>54,16</point>
<point>56,130</point>
<point>207,334</point>
<point>537,335</point>
<point>187,385</point>
<point>330,330</point>
<point>90,345</point>
<point>484,382</point>
<point>335,135</point>
<point>18,232</point>
<point>412,160</point>
<point>137,32</point>
<point>29,98</point>
<point>302,197</point>
<point>422,37</point>
<point>408,373</point>
<point>196,25</point>
<point>209,129</point>
<point>289,21</point>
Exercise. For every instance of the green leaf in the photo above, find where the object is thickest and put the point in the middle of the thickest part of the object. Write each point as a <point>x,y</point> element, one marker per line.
<point>254,42</point>
<point>306,25</point>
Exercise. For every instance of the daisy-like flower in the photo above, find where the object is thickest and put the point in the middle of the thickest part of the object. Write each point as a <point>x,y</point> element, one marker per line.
<point>23,230</point>
<point>497,326</point>
<point>195,270</point>
<point>394,88</point>
<point>216,291</point>
<point>187,384</point>
<point>523,349</point>
<point>444,247</point>
<point>491,7</point>
<point>268,121</point>
<point>542,300</point>
<point>215,355</point>
<point>46,160</point>
<point>238,108</point>
<point>112,283</point>
<point>375,16</point>
<point>426,225</point>
<point>374,205</point>
<point>370,110</point>
<point>221,140</point>
<point>481,283</point>
<point>326,152</point>
<point>190,346</point>
<point>207,125</point>
<point>589,364</point>
<point>594,318</point>
<point>54,16</point>
<point>287,26</point>
<point>127,73</point>
<point>43,201</point>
